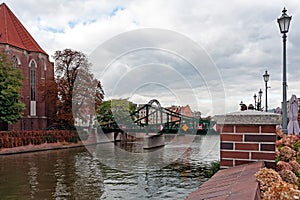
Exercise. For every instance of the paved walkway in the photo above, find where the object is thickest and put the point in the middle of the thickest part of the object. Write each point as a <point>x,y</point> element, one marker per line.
<point>234,183</point>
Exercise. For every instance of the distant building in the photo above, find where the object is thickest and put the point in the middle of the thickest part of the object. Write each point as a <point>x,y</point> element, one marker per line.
<point>27,55</point>
<point>183,110</point>
<point>155,117</point>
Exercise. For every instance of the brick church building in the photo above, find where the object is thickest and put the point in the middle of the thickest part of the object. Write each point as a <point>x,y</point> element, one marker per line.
<point>27,55</point>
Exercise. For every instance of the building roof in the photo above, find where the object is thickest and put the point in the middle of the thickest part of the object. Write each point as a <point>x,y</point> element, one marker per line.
<point>12,32</point>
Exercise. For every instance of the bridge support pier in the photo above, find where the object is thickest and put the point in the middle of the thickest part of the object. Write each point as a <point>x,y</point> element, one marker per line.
<point>153,141</point>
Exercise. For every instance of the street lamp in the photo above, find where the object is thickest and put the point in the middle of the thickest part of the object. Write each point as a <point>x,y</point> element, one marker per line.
<point>266,79</point>
<point>259,100</point>
<point>284,24</point>
<point>255,101</point>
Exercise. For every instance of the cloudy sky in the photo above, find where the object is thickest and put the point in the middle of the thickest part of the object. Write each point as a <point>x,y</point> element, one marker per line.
<point>210,54</point>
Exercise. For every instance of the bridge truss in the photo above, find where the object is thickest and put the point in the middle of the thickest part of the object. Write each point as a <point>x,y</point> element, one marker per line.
<point>152,118</point>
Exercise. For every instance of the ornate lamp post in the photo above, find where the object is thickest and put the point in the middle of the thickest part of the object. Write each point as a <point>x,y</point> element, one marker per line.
<point>255,107</point>
<point>259,99</point>
<point>266,79</point>
<point>284,24</point>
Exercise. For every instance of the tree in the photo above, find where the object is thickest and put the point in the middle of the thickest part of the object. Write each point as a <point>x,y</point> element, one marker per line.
<point>116,111</point>
<point>77,88</point>
<point>11,106</point>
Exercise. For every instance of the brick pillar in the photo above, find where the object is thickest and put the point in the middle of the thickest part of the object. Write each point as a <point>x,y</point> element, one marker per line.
<point>246,137</point>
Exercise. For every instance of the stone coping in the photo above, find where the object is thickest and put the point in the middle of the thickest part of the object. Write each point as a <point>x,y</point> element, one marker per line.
<point>41,147</point>
<point>248,117</point>
<point>231,184</point>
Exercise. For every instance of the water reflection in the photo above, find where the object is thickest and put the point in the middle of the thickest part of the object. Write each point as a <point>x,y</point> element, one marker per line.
<point>132,157</point>
<point>33,183</point>
<point>61,187</point>
<point>76,174</point>
<point>61,174</point>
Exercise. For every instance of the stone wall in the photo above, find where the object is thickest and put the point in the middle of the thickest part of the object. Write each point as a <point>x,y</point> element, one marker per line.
<point>246,137</point>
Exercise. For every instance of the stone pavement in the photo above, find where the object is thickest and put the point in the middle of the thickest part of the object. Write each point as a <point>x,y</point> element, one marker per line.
<point>234,183</point>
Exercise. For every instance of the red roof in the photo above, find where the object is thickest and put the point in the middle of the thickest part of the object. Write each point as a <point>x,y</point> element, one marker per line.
<point>12,32</point>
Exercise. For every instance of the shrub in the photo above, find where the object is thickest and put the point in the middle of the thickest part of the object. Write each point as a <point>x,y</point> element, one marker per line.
<point>287,153</point>
<point>295,166</point>
<point>281,190</point>
<point>281,165</point>
<point>296,145</point>
<point>213,168</point>
<point>9,139</point>
<point>288,176</point>
<point>266,177</point>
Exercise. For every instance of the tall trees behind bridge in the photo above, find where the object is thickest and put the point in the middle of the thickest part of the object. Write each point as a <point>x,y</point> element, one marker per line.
<point>116,111</point>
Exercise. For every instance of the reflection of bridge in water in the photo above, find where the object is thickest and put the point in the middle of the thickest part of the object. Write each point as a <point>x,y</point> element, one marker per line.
<point>153,120</point>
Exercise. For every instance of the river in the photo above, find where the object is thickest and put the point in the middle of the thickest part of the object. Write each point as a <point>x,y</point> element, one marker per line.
<point>110,171</point>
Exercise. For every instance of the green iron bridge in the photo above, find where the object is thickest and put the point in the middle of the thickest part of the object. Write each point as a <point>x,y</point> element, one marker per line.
<point>152,118</point>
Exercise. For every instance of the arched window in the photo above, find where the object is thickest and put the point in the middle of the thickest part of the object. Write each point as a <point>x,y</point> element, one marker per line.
<point>16,62</point>
<point>32,88</point>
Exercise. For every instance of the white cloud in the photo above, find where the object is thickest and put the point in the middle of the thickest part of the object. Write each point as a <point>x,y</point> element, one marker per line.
<point>242,37</point>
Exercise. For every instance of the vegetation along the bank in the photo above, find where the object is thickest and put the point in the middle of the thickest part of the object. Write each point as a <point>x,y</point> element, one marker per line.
<point>10,139</point>
<point>284,182</point>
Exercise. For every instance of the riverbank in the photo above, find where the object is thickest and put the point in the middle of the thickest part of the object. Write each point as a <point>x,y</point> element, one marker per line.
<point>40,147</point>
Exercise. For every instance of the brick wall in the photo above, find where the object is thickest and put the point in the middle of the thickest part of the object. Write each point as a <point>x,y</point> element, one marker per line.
<point>45,108</point>
<point>248,137</point>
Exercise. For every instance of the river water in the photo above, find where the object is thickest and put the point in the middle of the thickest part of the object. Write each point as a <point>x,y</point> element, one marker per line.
<point>110,171</point>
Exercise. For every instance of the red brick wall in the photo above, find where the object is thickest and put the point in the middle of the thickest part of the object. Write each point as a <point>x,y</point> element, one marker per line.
<point>44,108</point>
<point>243,144</point>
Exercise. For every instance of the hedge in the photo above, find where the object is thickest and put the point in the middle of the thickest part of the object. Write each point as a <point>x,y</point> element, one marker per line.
<point>10,139</point>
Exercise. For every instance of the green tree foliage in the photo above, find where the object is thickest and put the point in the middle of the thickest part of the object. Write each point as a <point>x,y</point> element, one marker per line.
<point>11,106</point>
<point>79,92</point>
<point>213,168</point>
<point>116,110</point>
